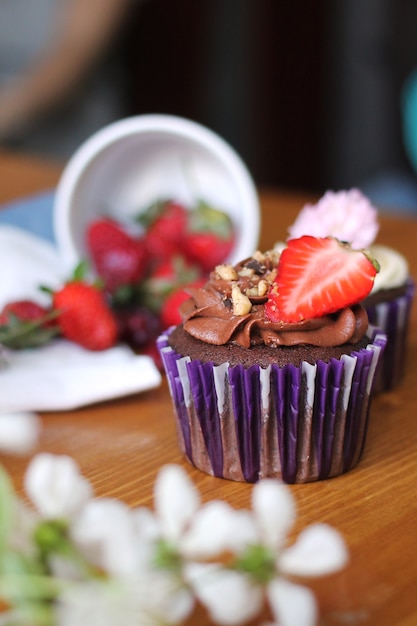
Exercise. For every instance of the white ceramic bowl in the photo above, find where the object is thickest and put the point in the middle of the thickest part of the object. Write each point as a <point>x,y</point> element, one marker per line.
<point>129,164</point>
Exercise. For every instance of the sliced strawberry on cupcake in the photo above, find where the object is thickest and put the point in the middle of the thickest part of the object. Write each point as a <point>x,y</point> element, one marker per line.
<point>318,276</point>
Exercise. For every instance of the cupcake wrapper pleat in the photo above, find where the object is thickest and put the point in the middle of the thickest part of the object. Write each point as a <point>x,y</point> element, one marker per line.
<point>392,317</point>
<point>300,424</point>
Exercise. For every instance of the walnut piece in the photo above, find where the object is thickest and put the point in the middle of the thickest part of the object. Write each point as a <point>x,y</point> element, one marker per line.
<point>226,272</point>
<point>241,303</point>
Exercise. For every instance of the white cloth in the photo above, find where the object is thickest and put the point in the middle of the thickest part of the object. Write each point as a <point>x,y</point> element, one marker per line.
<point>64,376</point>
<point>60,375</point>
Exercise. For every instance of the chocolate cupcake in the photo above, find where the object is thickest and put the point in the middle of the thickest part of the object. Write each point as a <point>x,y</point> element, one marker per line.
<point>350,216</point>
<point>257,393</point>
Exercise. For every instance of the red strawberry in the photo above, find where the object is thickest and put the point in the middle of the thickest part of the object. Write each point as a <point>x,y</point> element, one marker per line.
<point>210,237</point>
<point>25,310</point>
<point>317,276</point>
<point>166,229</point>
<point>119,258</point>
<point>26,324</point>
<point>84,316</point>
<point>208,249</point>
<point>170,315</point>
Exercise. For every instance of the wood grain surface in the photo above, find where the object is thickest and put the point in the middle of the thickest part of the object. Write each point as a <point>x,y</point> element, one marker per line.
<point>120,446</point>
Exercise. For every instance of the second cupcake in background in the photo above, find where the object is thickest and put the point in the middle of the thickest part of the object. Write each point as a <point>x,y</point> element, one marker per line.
<point>350,216</point>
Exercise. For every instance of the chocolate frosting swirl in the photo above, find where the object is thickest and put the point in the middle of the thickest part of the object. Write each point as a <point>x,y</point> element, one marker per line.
<point>208,316</point>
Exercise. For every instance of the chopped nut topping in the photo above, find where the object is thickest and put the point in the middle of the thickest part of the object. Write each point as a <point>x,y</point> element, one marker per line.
<point>271,276</point>
<point>226,272</point>
<point>273,256</point>
<point>256,266</point>
<point>263,287</point>
<point>259,256</point>
<point>241,303</point>
<point>246,271</point>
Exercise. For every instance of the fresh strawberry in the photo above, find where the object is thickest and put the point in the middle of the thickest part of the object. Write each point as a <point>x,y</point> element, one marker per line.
<point>166,223</point>
<point>208,249</point>
<point>26,324</point>
<point>119,258</point>
<point>317,276</point>
<point>210,237</point>
<point>84,316</point>
<point>170,315</point>
<point>25,310</point>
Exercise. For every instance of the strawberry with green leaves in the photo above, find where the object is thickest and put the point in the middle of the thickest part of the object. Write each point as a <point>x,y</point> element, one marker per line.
<point>318,276</point>
<point>165,223</point>
<point>119,259</point>
<point>26,324</point>
<point>210,237</point>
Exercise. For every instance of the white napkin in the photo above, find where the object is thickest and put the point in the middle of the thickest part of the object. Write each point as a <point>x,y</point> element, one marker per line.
<point>26,262</point>
<point>60,375</point>
<point>64,376</point>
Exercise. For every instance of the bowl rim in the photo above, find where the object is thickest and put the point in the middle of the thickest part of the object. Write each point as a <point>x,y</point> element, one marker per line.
<point>154,123</point>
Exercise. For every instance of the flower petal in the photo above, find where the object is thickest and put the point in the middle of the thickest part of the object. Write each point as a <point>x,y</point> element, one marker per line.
<point>176,500</point>
<point>104,532</point>
<point>19,432</point>
<point>291,605</point>
<point>274,509</point>
<point>217,528</point>
<point>229,596</point>
<point>56,486</point>
<point>319,550</point>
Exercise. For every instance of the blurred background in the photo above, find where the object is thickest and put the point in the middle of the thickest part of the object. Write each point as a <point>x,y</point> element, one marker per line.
<point>309,93</point>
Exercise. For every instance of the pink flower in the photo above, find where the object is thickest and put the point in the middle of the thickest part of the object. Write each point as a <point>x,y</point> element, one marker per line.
<point>347,215</point>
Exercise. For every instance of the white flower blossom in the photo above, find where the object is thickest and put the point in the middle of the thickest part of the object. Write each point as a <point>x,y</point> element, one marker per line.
<point>108,564</point>
<point>151,600</point>
<point>291,605</point>
<point>319,550</point>
<point>104,532</point>
<point>230,596</point>
<point>197,531</point>
<point>56,486</point>
<point>347,215</point>
<point>19,432</point>
<point>176,501</point>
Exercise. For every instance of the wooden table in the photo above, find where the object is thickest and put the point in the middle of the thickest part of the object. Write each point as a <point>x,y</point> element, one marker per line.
<point>120,446</point>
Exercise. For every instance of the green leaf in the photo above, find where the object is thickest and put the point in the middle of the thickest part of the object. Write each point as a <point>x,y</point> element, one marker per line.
<point>7,507</point>
<point>18,334</point>
<point>151,213</point>
<point>206,218</point>
<point>81,270</point>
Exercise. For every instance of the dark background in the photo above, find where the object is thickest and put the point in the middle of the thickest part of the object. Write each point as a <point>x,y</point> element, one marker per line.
<point>307,91</point>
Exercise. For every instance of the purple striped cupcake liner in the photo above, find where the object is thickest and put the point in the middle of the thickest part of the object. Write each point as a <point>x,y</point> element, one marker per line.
<point>299,424</point>
<point>392,317</point>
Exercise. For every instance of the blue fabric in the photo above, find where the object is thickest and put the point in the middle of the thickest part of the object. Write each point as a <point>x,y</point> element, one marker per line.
<point>33,213</point>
